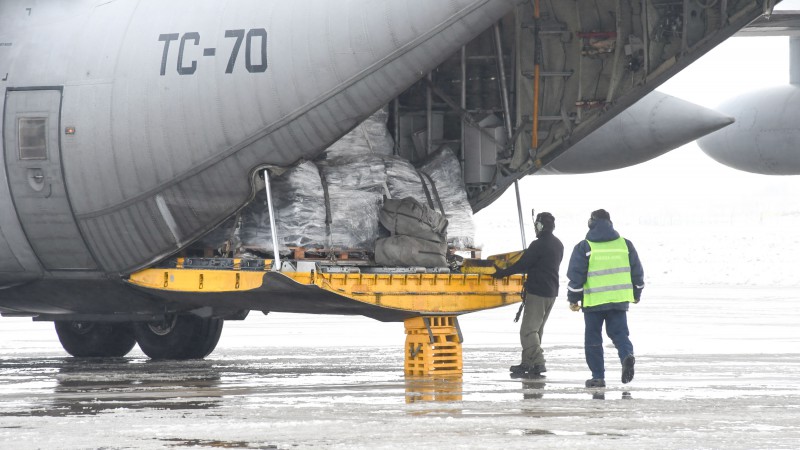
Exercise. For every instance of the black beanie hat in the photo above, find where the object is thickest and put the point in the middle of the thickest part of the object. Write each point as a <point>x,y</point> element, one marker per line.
<point>600,214</point>
<point>547,220</point>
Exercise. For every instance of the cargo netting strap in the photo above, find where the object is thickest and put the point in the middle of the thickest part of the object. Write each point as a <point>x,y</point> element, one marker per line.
<point>435,194</point>
<point>328,216</point>
<point>425,188</point>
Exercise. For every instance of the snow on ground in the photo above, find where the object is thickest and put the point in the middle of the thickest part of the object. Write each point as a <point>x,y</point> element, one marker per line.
<point>713,371</point>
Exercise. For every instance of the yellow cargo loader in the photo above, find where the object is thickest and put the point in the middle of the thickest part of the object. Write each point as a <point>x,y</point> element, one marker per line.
<point>428,301</point>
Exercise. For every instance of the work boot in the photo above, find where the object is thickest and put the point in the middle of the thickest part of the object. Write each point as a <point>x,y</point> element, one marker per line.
<point>526,375</point>
<point>520,368</point>
<point>627,368</point>
<point>539,368</point>
<point>596,383</point>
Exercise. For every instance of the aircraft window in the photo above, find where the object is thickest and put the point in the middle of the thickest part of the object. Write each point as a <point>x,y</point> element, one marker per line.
<point>32,138</point>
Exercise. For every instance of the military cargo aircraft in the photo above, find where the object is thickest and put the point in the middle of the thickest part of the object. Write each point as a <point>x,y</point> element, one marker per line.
<point>132,128</point>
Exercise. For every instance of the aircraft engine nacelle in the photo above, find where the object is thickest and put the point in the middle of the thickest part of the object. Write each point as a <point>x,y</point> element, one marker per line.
<point>651,127</point>
<point>765,138</point>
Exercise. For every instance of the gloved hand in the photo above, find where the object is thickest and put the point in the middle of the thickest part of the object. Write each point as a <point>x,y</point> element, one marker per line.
<point>575,306</point>
<point>636,300</point>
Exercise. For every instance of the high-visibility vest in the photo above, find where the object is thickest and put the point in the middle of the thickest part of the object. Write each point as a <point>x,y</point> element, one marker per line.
<point>609,276</point>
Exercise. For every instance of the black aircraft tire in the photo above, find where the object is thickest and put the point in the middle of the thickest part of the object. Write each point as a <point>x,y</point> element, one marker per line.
<point>179,337</point>
<point>95,339</point>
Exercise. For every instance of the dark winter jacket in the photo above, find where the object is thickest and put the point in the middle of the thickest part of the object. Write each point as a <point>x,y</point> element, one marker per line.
<point>540,261</point>
<point>601,231</point>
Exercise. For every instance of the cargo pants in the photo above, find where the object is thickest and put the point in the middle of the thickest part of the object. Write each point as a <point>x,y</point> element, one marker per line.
<point>537,310</point>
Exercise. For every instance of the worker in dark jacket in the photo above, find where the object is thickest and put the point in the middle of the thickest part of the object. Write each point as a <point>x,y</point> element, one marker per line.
<point>605,275</point>
<point>541,262</point>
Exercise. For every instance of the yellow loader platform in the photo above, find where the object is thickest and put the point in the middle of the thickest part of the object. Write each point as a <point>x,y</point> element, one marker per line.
<point>385,294</point>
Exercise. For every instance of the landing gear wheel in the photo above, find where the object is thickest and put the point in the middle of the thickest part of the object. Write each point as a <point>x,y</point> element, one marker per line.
<point>95,339</point>
<point>178,337</point>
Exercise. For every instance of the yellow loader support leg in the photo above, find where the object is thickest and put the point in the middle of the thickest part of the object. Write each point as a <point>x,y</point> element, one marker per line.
<point>433,347</point>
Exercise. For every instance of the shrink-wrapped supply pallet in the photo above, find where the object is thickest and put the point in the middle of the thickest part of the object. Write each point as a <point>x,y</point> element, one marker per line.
<point>299,205</point>
<point>445,170</point>
<point>354,174</point>
<point>370,136</point>
<point>355,185</point>
<point>354,214</point>
<point>355,178</point>
<point>403,179</point>
<point>346,187</point>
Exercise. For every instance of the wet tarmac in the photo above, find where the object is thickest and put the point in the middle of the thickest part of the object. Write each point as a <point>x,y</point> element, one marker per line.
<point>715,369</point>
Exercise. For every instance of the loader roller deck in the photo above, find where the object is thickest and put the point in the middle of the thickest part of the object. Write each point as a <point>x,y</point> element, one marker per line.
<point>391,296</point>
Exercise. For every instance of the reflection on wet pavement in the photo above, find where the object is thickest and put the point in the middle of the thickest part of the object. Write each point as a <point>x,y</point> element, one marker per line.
<point>248,395</point>
<point>434,390</point>
<point>94,385</point>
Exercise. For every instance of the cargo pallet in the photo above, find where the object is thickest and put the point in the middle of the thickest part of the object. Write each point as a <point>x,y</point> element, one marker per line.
<point>321,254</point>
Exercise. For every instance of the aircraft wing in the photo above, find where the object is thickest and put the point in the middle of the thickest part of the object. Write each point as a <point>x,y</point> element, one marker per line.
<point>590,61</point>
<point>778,23</point>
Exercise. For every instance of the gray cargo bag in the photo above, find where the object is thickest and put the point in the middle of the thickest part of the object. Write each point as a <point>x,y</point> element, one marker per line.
<point>410,251</point>
<point>409,217</point>
<point>418,235</point>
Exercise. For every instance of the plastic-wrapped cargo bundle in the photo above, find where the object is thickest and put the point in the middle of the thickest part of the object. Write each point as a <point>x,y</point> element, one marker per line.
<point>403,179</point>
<point>354,218</point>
<point>370,136</point>
<point>445,171</point>
<point>356,185</point>
<point>357,173</point>
<point>299,204</point>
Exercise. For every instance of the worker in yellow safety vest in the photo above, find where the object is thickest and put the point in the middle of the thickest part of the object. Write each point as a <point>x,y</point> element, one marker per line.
<point>605,276</point>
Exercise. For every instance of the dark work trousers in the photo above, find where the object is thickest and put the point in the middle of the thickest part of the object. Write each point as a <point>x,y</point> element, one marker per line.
<point>616,328</point>
<point>535,314</point>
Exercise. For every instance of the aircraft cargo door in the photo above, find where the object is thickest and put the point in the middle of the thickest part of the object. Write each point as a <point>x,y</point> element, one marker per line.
<point>33,162</point>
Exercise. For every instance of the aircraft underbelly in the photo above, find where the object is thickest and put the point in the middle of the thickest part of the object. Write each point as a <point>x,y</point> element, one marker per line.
<point>155,292</point>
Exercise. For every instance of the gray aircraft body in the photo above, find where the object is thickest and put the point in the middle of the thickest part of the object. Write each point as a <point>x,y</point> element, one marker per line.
<point>132,128</point>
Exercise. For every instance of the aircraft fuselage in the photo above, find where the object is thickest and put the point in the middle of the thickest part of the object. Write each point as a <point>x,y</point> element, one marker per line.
<point>133,127</point>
